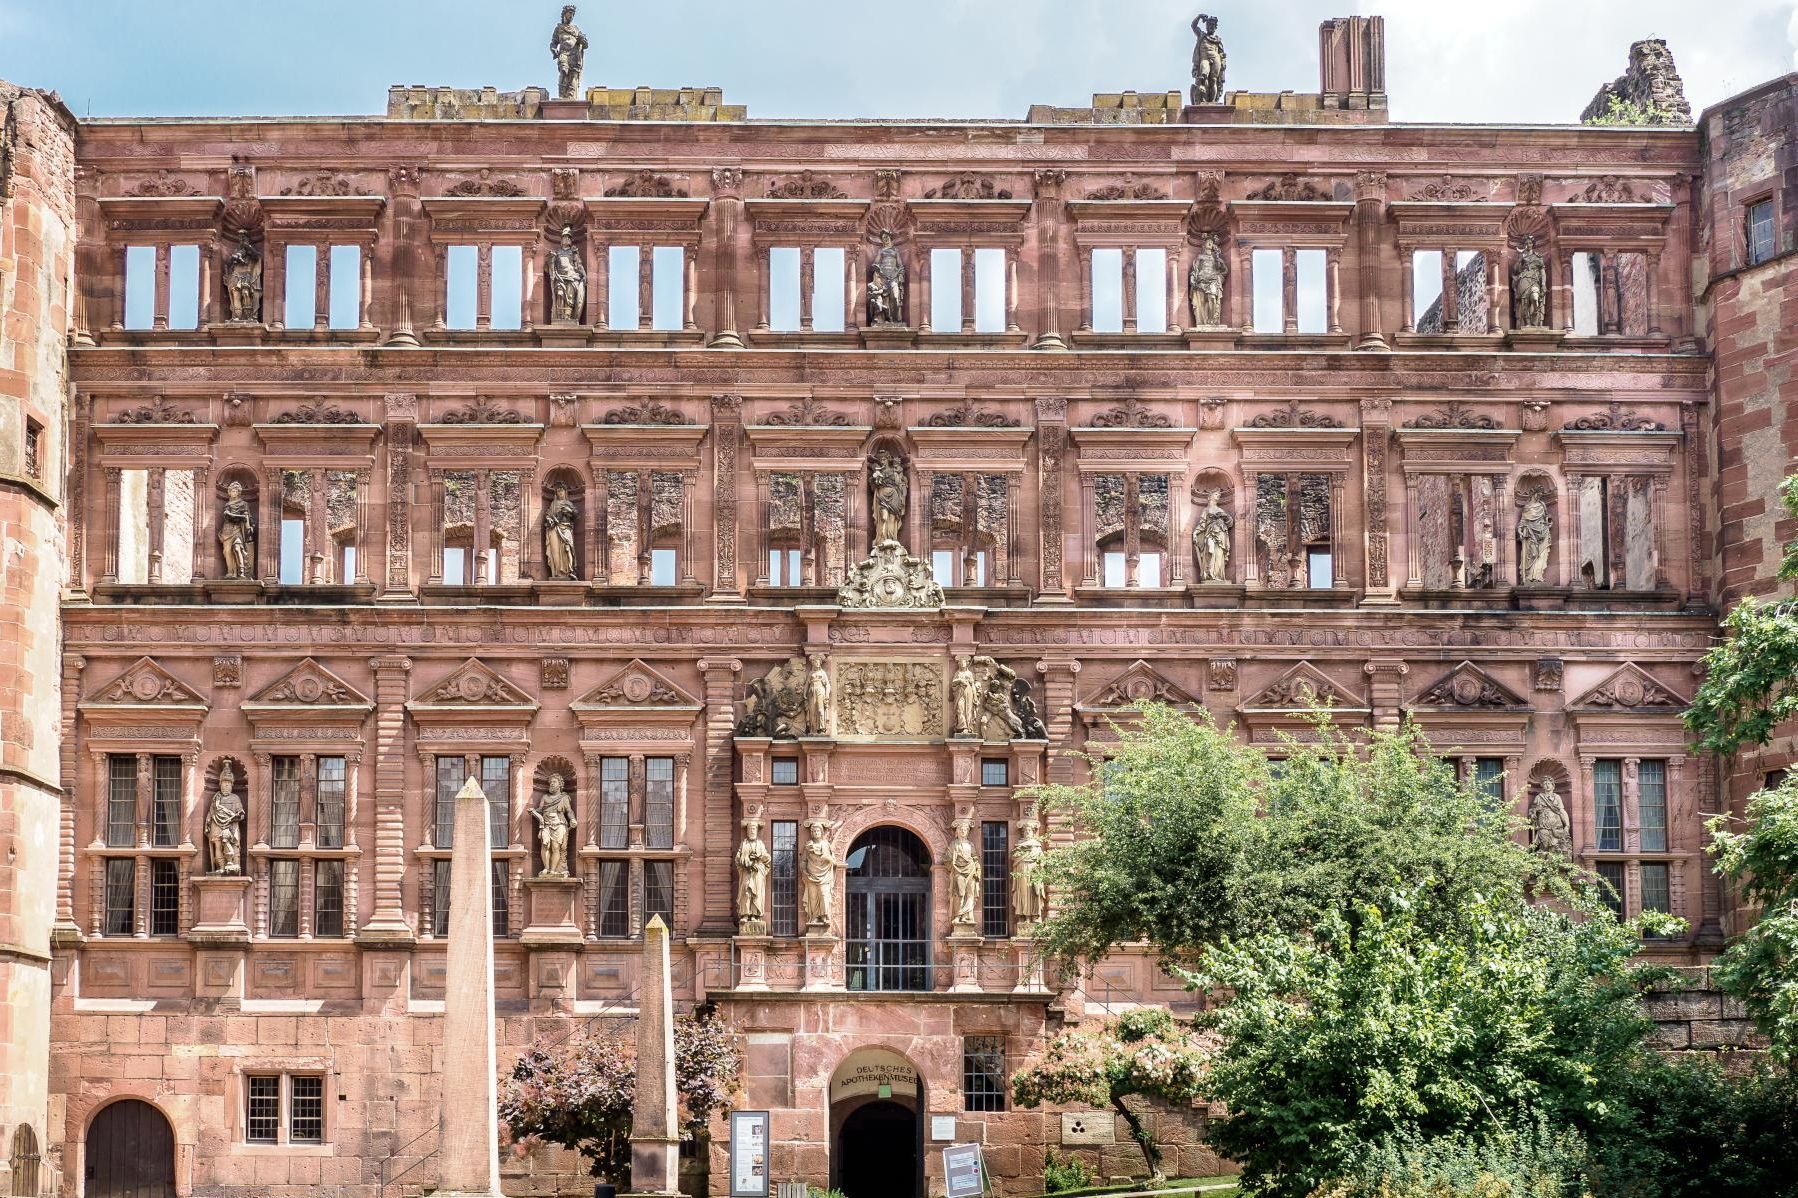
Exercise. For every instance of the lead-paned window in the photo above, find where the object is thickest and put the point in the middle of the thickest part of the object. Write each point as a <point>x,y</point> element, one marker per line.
<point>983,1073</point>
<point>994,771</point>
<point>496,783</point>
<point>284,803</point>
<point>452,772</point>
<point>440,898</point>
<point>165,812</point>
<point>502,907</point>
<point>121,801</point>
<point>262,1119</point>
<point>1761,245</point>
<point>658,891</point>
<point>658,803</point>
<point>294,1102</point>
<point>995,878</point>
<point>785,771</point>
<point>121,896</point>
<point>1657,893</point>
<point>1607,805</point>
<point>327,899</point>
<point>783,883</point>
<point>329,805</point>
<point>1489,780</point>
<point>614,898</point>
<point>1651,807</point>
<point>284,898</point>
<point>165,898</point>
<point>1610,874</point>
<point>306,1118</point>
<point>614,802</point>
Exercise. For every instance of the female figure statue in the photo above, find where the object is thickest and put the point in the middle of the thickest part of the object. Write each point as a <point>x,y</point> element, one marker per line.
<point>886,283</point>
<point>555,820</point>
<point>237,534</point>
<point>964,692</point>
<point>1550,829</point>
<point>1211,541</point>
<point>1529,288</point>
<point>567,281</point>
<point>820,875</point>
<point>224,827</point>
<point>558,535</point>
<point>1029,893</point>
<point>568,45</point>
<point>1535,532</point>
<point>817,698</point>
<point>964,878</point>
<point>889,496</point>
<point>1205,284</point>
<point>753,862</point>
<point>243,282</point>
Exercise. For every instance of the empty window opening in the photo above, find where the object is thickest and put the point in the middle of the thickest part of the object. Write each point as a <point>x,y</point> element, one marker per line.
<point>346,286</point>
<point>1585,294</point>
<point>1148,568</point>
<point>184,287</point>
<point>662,567</point>
<point>945,291</point>
<point>134,526</point>
<point>1319,569</point>
<point>990,291</point>
<point>829,296</point>
<point>1312,301</point>
<point>1426,288</point>
<point>1108,291</point>
<point>462,269</point>
<point>784,568</point>
<point>293,551</point>
<point>508,287</point>
<point>1151,291</point>
<point>1266,269</point>
<point>783,289</point>
<point>301,301</point>
<point>140,286</point>
<point>942,566</point>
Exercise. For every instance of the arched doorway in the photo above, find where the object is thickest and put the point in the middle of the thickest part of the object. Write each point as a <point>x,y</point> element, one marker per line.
<point>130,1152</point>
<point>887,911</point>
<point>877,1131</point>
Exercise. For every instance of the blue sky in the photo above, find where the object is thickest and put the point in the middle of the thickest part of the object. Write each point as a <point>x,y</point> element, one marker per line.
<point>1521,60</point>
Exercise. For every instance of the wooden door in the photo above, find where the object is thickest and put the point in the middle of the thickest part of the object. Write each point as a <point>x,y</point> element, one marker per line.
<point>130,1152</point>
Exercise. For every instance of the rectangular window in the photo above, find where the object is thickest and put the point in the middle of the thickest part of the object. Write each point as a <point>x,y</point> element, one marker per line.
<point>184,286</point>
<point>994,771</point>
<point>121,801</point>
<point>165,898</point>
<point>827,289</point>
<point>1610,877</point>
<point>329,807</point>
<point>621,295</point>
<point>614,802</point>
<point>346,286</point>
<point>140,286</point>
<point>995,878</point>
<point>786,771</point>
<point>1148,569</point>
<point>1651,806</point>
<point>1320,572</point>
<point>327,899</point>
<point>496,782</point>
<point>34,441</point>
<point>440,898</point>
<point>1311,295</point>
<point>1151,290</point>
<point>1607,805</point>
<point>614,898</point>
<point>664,567</point>
<point>1761,246</point>
<point>658,891</point>
<point>658,803</point>
<point>262,1118</point>
<point>507,291</point>
<point>945,291</point>
<point>121,896</point>
<point>942,566</point>
<point>306,1120</point>
<point>1267,279</point>
<point>1489,780</point>
<point>1656,887</point>
<point>502,907</point>
<point>667,283</point>
<point>1115,574</point>
<point>284,899</point>
<point>461,268</point>
<point>284,803</point>
<point>452,772</point>
<point>983,1073</point>
<point>783,288</point>
<point>1585,269</point>
<point>783,880</point>
<point>455,567</point>
<point>784,568</point>
<point>300,306</point>
<point>165,817</point>
<point>989,291</point>
<point>292,570</point>
<point>1107,268</point>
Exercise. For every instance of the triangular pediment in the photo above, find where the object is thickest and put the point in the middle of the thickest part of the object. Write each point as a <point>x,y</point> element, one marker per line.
<point>1301,686</point>
<point>633,687</point>
<point>309,685</point>
<point>1631,688</point>
<point>146,683</point>
<point>1468,688</point>
<point>473,684</point>
<point>1140,683</point>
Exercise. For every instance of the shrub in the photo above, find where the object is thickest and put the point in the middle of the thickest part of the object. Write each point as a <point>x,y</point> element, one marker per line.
<point>1064,1173</point>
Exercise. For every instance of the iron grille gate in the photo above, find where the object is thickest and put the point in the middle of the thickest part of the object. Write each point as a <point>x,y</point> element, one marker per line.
<point>887,912</point>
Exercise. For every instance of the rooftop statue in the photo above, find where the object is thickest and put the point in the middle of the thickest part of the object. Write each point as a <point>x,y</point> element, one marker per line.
<point>1207,61</point>
<point>569,47</point>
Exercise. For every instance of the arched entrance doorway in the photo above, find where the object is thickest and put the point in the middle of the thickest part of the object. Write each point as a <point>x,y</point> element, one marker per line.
<point>876,1129</point>
<point>887,911</point>
<point>130,1152</point>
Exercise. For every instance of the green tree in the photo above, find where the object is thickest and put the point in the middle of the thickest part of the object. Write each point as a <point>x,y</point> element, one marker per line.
<point>1627,112</point>
<point>1145,1054</point>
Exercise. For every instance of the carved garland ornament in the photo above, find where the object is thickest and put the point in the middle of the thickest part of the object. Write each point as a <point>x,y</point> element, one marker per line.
<point>969,416</point>
<point>1131,414</point>
<point>1615,419</point>
<point>650,411</point>
<point>1293,416</point>
<point>322,412</point>
<point>157,411</point>
<point>1456,415</point>
<point>808,412</point>
<point>482,411</point>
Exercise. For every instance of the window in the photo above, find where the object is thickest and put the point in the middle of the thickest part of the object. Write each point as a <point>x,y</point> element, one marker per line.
<point>440,897</point>
<point>1107,267</point>
<point>786,771</point>
<point>345,305</point>
<point>284,899</point>
<point>942,567</point>
<point>1610,874</point>
<point>1489,780</point>
<point>658,803</point>
<point>783,879</point>
<point>496,782</point>
<point>507,288</point>
<point>1651,807</point>
<point>995,878</point>
<point>121,801</point>
<point>165,898</point>
<point>1585,269</point>
<point>983,1073</point>
<point>663,565</point>
<point>1319,573</point>
<point>290,1102</point>
<point>1773,780</point>
<point>327,899</point>
<point>1761,245</point>
<point>451,773</point>
<point>1607,805</point>
<point>945,291</point>
<point>658,891</point>
<point>614,898</point>
<point>784,568</point>
<point>301,300</point>
<point>502,907</point>
<point>1656,891</point>
<point>121,896</point>
<point>461,265</point>
<point>329,805</point>
<point>994,771</point>
<point>614,802</point>
<point>140,286</point>
<point>621,268</point>
<point>34,439</point>
<point>184,286</point>
<point>284,803</point>
<point>165,823</point>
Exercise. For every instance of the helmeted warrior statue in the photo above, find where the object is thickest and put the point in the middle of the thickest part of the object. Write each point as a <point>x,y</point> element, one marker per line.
<point>567,281</point>
<point>1205,284</point>
<point>569,46</point>
<point>243,282</point>
<point>1207,61</point>
<point>224,827</point>
<point>1529,288</point>
<point>886,283</point>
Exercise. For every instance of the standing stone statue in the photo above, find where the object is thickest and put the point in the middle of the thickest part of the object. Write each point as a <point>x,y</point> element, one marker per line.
<point>886,283</point>
<point>964,692</point>
<point>1529,288</point>
<point>817,697</point>
<point>243,282</point>
<point>820,874</point>
<point>1207,61</point>
<point>998,720</point>
<point>555,820</point>
<point>1205,284</point>
<point>1550,829</point>
<point>1211,541</point>
<point>1535,533</point>
<point>1025,708</point>
<point>1029,892</point>
<point>964,879</point>
<point>558,536</point>
<point>237,534</point>
<point>890,488</point>
<point>753,862</point>
<point>569,47</point>
<point>567,282</point>
<point>224,827</point>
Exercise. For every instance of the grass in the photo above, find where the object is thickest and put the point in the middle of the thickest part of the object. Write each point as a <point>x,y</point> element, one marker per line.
<point>1179,1183</point>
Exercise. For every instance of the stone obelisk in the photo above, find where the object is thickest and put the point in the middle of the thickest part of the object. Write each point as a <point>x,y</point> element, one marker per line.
<point>655,1134</point>
<point>468,1147</point>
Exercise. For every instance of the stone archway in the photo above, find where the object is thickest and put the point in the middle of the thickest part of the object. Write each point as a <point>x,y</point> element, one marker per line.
<point>130,1152</point>
<point>877,1126</point>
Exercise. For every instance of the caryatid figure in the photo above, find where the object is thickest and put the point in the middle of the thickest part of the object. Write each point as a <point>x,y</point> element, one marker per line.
<point>1029,892</point>
<point>569,47</point>
<point>818,894</point>
<point>1529,288</point>
<point>753,862</point>
<point>243,282</point>
<point>567,281</point>
<point>224,827</point>
<point>558,536</point>
<point>555,821</point>
<point>964,878</point>
<point>1205,283</point>
<point>237,534</point>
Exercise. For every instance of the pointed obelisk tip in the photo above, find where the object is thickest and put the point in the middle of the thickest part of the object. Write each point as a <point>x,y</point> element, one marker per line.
<point>655,926</point>
<point>471,789</point>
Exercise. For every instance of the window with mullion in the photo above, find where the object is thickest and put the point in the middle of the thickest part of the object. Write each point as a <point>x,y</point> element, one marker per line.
<point>327,899</point>
<point>983,1082</point>
<point>995,878</point>
<point>502,907</point>
<point>284,898</point>
<point>284,803</point>
<point>165,898</point>
<point>328,807</point>
<point>1489,780</point>
<point>306,1110</point>
<point>1760,232</point>
<point>1607,805</point>
<point>614,802</point>
<point>1657,888</point>
<point>1651,806</point>
<point>496,783</point>
<point>501,879</point>
<point>262,1116</point>
<point>121,801</point>
<point>658,803</point>
<point>658,891</point>
<point>614,898</point>
<point>452,772</point>
<point>121,896</point>
<point>783,879</point>
<point>165,817</point>
<point>1610,873</point>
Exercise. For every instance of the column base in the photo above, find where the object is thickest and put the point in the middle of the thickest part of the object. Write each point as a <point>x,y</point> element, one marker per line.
<point>1050,343</point>
<point>728,339</point>
<point>1372,343</point>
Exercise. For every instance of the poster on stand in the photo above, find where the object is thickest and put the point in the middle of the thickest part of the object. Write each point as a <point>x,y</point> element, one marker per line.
<point>749,1154</point>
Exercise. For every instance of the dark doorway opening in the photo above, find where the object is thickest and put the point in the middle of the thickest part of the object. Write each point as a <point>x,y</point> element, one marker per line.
<point>879,1152</point>
<point>130,1152</point>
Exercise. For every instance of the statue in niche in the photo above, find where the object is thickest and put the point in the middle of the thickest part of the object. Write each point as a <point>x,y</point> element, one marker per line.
<point>886,283</point>
<point>224,826</point>
<point>1207,61</point>
<point>1211,540</point>
<point>964,879</point>
<point>1029,891</point>
<point>1535,534</point>
<point>1529,288</point>
<point>820,875</point>
<point>1025,707</point>
<point>554,817</point>
<point>890,488</point>
<point>817,697</point>
<point>777,704</point>
<point>243,282</point>
<point>558,536</point>
<point>998,720</point>
<point>964,691</point>
<point>568,45</point>
<point>567,281</point>
<point>1205,284</point>
<point>1550,829</point>
<point>237,534</point>
<point>753,862</point>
